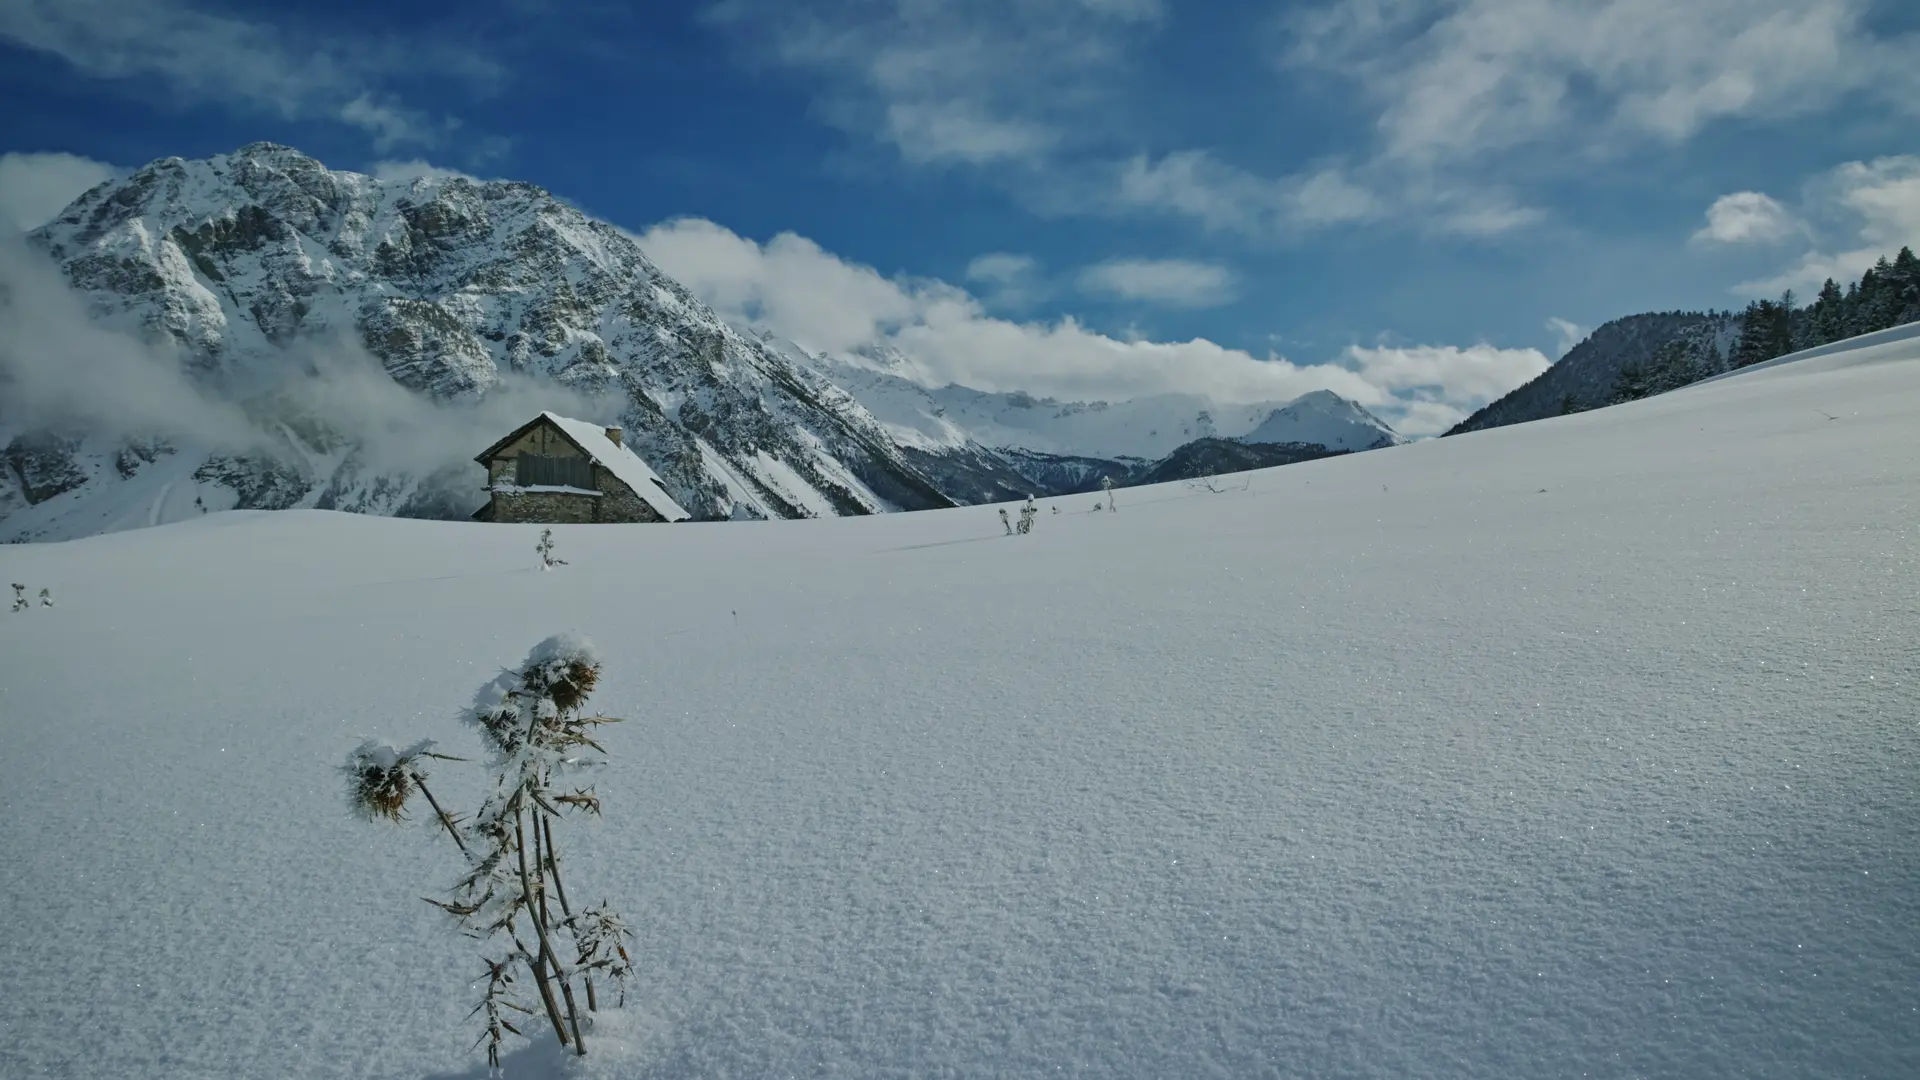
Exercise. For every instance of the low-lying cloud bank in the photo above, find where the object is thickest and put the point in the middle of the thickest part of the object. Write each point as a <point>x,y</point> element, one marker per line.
<point>794,288</point>
<point>62,369</point>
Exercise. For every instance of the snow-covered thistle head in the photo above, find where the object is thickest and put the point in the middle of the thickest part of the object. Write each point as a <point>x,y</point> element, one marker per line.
<point>541,701</point>
<point>380,779</point>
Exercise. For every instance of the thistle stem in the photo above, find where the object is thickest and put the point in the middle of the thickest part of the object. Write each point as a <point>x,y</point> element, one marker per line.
<point>560,889</point>
<point>539,961</point>
<point>443,816</point>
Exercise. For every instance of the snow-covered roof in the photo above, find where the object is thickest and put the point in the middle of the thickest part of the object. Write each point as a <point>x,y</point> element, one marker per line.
<point>623,463</point>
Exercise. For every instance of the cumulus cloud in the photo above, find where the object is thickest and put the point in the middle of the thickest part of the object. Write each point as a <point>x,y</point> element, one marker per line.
<point>1174,282</point>
<point>793,288</point>
<point>1747,217</point>
<point>34,188</point>
<point>1475,373</point>
<point>209,57</point>
<point>1568,333</point>
<point>1857,212</point>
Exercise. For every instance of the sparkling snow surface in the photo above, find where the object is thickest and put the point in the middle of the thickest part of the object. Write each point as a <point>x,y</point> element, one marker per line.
<point>1585,748</point>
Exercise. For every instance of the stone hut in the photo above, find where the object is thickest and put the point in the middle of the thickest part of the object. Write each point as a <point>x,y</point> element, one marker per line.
<point>555,470</point>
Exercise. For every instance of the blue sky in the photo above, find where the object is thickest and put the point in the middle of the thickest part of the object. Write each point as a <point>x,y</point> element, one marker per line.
<point>1436,195</point>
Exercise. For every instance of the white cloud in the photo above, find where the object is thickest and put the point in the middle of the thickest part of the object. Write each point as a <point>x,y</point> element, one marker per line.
<point>1455,78</point>
<point>34,188</point>
<point>390,124</point>
<point>1569,333</point>
<point>793,288</point>
<point>1135,10</point>
<point>201,56</point>
<point>1010,280</point>
<point>1475,373</point>
<point>1747,217</point>
<point>1859,212</point>
<point>1423,417</point>
<point>1001,268</point>
<point>1485,219</point>
<point>417,169</point>
<point>993,82</point>
<point>1196,184</point>
<point>1883,194</point>
<point>929,133</point>
<point>1175,282</point>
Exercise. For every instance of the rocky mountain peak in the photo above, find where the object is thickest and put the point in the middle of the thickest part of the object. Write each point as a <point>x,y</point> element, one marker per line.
<point>241,261</point>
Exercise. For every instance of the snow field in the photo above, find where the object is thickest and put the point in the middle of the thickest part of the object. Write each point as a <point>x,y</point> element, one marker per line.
<point>1584,748</point>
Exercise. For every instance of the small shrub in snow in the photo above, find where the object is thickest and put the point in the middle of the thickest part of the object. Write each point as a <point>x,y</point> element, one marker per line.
<point>538,737</point>
<point>19,597</point>
<point>545,549</point>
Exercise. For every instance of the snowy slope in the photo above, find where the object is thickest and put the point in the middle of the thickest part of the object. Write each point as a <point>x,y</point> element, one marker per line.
<point>1582,748</point>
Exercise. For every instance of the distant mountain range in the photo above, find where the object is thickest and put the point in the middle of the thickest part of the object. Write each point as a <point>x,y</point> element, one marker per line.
<point>253,273</point>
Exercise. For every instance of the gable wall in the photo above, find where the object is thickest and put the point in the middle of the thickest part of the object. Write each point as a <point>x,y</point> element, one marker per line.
<point>543,440</point>
<point>617,502</point>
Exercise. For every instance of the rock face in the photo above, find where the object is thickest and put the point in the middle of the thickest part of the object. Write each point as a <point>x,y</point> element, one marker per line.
<point>453,286</point>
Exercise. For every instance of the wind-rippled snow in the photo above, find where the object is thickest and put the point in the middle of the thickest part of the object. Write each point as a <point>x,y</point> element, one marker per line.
<point>1584,748</point>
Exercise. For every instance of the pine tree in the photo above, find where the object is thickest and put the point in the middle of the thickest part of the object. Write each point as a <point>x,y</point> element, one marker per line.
<point>1880,300</point>
<point>1906,283</point>
<point>1829,321</point>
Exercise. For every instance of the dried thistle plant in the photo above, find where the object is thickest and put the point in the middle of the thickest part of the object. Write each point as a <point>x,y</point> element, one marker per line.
<point>545,549</point>
<point>532,723</point>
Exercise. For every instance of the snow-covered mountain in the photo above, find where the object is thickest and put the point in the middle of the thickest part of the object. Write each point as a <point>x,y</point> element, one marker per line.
<point>960,436</point>
<point>240,262</point>
<point>1324,418</point>
<point>354,341</point>
<point>1143,428</point>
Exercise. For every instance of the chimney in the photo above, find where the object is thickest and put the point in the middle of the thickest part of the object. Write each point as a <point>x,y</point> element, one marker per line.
<point>613,435</point>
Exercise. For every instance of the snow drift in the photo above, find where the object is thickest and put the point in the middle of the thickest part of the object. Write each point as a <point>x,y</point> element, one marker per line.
<point>1584,747</point>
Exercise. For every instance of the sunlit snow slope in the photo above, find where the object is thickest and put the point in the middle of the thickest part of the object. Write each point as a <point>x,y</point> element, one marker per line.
<point>1584,748</point>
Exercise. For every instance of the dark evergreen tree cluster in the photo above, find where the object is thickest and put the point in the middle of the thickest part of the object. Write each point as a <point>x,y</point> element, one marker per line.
<point>1886,296</point>
<point>1671,367</point>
